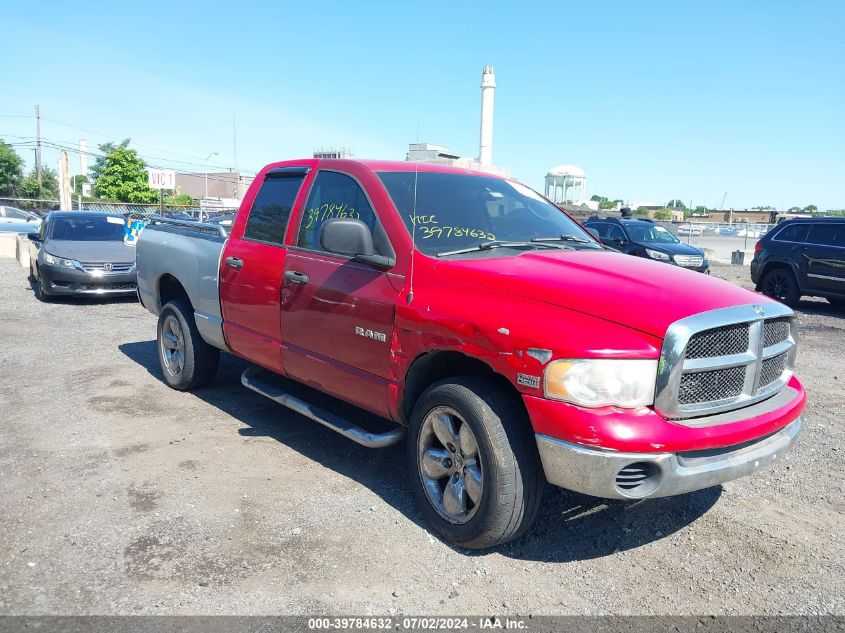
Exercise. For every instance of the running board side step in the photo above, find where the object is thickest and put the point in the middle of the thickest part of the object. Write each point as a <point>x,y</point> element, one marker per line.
<point>326,418</point>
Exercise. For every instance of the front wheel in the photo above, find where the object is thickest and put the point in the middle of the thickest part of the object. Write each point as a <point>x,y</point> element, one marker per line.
<point>780,284</point>
<point>187,361</point>
<point>40,293</point>
<point>474,464</point>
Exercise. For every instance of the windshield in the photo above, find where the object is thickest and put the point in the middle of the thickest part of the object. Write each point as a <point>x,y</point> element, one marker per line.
<point>654,233</point>
<point>455,211</point>
<point>88,229</point>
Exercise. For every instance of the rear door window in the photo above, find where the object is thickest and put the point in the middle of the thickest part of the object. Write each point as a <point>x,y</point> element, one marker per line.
<point>268,218</point>
<point>793,233</point>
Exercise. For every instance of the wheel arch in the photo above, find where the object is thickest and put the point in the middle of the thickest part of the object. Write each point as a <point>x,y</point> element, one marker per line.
<point>169,288</point>
<point>771,265</point>
<point>436,365</point>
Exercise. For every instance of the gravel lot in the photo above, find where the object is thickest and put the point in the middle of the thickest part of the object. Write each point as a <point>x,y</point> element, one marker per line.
<point>121,496</point>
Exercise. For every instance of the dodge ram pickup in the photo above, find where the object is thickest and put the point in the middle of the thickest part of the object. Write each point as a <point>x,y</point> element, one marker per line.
<point>484,328</point>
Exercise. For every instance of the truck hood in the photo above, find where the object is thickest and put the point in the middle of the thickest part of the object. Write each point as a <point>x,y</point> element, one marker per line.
<point>90,251</point>
<point>631,291</point>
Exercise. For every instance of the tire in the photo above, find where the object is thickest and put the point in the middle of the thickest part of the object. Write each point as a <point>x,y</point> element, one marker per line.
<point>187,361</point>
<point>779,283</point>
<point>505,502</point>
<point>40,293</point>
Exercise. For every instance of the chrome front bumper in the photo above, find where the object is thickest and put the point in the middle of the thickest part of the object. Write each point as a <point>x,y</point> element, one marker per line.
<point>596,471</point>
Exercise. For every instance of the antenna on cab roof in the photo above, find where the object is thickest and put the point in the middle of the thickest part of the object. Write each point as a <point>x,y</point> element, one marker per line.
<point>413,226</point>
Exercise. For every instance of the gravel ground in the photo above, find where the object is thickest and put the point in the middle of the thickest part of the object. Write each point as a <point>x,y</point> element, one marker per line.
<point>121,496</point>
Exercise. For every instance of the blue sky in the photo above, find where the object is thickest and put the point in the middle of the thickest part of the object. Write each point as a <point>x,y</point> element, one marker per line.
<point>654,100</point>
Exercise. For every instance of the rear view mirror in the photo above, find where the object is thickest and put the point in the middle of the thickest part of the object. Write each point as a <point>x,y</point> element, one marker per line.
<point>34,237</point>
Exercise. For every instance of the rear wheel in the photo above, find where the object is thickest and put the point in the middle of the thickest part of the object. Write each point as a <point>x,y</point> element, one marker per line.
<point>187,361</point>
<point>474,464</point>
<point>780,284</point>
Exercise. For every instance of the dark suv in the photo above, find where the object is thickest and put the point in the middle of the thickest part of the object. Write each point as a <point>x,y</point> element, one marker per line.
<point>805,256</point>
<point>647,239</point>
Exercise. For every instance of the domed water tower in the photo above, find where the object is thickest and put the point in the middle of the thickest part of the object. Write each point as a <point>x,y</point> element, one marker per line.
<point>566,183</point>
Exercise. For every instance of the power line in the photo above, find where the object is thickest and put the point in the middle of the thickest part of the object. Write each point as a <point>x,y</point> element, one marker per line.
<point>64,145</point>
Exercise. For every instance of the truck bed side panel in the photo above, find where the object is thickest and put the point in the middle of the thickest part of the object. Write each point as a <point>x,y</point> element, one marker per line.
<point>192,259</point>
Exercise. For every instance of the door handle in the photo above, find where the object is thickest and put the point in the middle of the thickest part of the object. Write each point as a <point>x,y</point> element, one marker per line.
<point>234,262</point>
<point>296,277</point>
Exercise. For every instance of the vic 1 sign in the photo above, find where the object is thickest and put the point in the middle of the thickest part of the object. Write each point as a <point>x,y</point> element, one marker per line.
<point>161,178</point>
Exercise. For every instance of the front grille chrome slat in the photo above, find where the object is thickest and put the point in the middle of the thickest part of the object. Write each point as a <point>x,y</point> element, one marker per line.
<point>106,268</point>
<point>725,359</point>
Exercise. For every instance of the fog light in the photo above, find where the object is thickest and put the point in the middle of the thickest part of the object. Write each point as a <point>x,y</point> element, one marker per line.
<point>639,479</point>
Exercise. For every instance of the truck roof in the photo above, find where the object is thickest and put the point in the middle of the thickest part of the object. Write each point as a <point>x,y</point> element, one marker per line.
<point>382,165</point>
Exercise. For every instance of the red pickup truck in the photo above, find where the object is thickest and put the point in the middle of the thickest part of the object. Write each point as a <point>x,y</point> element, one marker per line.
<point>504,344</point>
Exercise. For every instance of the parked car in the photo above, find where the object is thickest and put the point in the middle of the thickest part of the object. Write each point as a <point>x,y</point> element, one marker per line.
<point>81,253</point>
<point>749,232</point>
<point>13,220</point>
<point>503,343</point>
<point>690,230</point>
<point>644,238</point>
<point>802,257</point>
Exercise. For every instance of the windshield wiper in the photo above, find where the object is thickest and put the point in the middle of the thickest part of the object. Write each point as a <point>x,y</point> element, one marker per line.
<point>486,246</point>
<point>562,238</point>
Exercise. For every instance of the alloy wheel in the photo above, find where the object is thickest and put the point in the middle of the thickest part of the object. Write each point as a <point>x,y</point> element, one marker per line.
<point>450,465</point>
<point>172,346</point>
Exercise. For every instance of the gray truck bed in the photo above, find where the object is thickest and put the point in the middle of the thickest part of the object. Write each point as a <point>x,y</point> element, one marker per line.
<point>170,252</point>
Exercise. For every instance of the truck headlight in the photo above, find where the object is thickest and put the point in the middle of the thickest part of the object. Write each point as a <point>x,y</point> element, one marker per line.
<point>663,257</point>
<point>58,261</point>
<point>602,381</point>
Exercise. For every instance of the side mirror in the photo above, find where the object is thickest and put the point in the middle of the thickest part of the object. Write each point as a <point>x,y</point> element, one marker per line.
<point>346,236</point>
<point>594,233</point>
<point>34,237</point>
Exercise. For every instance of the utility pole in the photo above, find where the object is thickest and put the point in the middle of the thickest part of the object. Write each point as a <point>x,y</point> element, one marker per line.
<point>235,157</point>
<point>38,144</point>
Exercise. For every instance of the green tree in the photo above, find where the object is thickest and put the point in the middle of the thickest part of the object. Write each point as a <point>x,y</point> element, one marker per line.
<point>100,163</point>
<point>11,170</point>
<point>122,176</point>
<point>791,209</point>
<point>676,204</point>
<point>701,210</point>
<point>48,189</point>
<point>663,215</point>
<point>76,183</point>
<point>810,208</point>
<point>597,198</point>
<point>643,211</point>
<point>181,199</point>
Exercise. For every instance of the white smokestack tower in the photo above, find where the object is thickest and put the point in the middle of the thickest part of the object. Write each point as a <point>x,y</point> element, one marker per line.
<point>488,88</point>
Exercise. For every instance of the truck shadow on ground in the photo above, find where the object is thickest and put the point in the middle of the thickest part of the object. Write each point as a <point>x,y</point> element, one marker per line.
<point>569,526</point>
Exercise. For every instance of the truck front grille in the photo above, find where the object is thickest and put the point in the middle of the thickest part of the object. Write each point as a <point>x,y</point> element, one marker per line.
<point>711,386</point>
<point>720,341</point>
<point>725,359</point>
